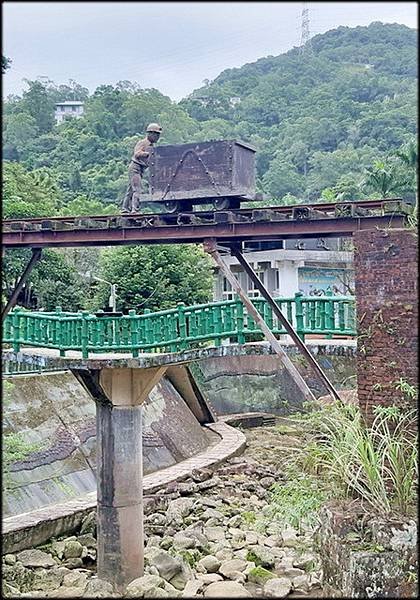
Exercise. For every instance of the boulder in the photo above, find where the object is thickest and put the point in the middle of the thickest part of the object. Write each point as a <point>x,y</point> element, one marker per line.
<point>193,587</point>
<point>182,542</point>
<point>261,556</point>
<point>201,474</point>
<point>143,585</point>
<point>267,482</point>
<point>67,592</point>
<point>179,509</point>
<point>208,564</point>
<point>87,540</point>
<point>228,567</point>
<point>277,588</point>
<point>167,565</point>
<point>47,579</point>
<point>9,559</point>
<point>75,579</point>
<point>214,534</point>
<point>289,537</point>
<point>226,589</point>
<point>99,588</point>
<point>36,558</point>
<point>73,563</point>
<point>301,583</point>
<point>207,578</point>
<point>180,580</point>
<point>260,575</point>
<point>72,549</point>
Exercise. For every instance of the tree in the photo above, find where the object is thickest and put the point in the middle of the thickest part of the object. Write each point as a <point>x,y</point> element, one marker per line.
<point>155,277</point>
<point>39,105</point>
<point>5,64</point>
<point>408,155</point>
<point>382,178</point>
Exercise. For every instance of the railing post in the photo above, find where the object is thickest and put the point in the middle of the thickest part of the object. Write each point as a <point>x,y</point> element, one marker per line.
<point>59,325</point>
<point>16,321</point>
<point>85,334</point>
<point>182,325</point>
<point>329,315</point>
<point>300,326</point>
<point>240,322</point>
<point>134,331</point>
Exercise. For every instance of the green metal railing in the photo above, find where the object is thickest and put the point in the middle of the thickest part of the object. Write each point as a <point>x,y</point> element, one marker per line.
<point>176,329</point>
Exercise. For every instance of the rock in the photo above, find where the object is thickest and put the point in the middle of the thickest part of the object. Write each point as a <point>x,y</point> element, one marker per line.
<point>224,554</point>
<point>167,565</point>
<point>261,556</point>
<point>8,591</point>
<point>186,488</point>
<point>260,575</point>
<point>182,542</point>
<point>192,588</point>
<point>179,509</point>
<point>277,588</point>
<point>73,563</point>
<point>273,541</point>
<point>9,559</point>
<point>89,523</point>
<point>214,534</point>
<point>166,543</point>
<point>289,537</point>
<point>87,540</point>
<point>230,566</point>
<point>235,521</point>
<point>18,576</point>
<point>179,581</point>
<point>156,519</point>
<point>72,549</point>
<point>301,583</point>
<point>293,572</point>
<point>201,474</point>
<point>173,592</point>
<point>305,561</point>
<point>208,564</point>
<point>267,482</point>
<point>98,588</point>
<point>251,538</point>
<point>143,585</point>
<point>67,592</point>
<point>36,558</point>
<point>211,513</point>
<point>75,579</point>
<point>226,589</point>
<point>57,548</point>
<point>158,593</point>
<point>208,578</point>
<point>47,579</point>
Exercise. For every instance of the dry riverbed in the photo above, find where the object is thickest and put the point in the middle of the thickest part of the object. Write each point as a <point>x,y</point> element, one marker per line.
<point>217,534</point>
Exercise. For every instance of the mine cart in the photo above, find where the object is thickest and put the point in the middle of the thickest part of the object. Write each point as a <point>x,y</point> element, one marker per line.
<point>221,173</point>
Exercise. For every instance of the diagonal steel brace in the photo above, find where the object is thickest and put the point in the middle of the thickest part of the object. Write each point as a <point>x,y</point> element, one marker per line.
<point>36,255</point>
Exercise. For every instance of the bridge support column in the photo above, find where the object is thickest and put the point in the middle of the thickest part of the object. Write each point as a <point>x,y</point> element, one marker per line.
<point>119,394</point>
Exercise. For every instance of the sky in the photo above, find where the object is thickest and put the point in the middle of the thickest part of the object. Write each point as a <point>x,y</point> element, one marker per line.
<point>171,46</point>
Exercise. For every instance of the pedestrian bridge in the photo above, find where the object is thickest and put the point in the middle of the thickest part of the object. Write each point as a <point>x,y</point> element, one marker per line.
<point>179,330</point>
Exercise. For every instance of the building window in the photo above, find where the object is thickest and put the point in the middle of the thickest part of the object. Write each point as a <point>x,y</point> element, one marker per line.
<point>253,291</point>
<point>73,108</point>
<point>227,293</point>
<point>62,108</point>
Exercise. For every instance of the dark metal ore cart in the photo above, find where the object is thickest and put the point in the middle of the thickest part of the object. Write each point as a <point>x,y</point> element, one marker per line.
<point>221,173</point>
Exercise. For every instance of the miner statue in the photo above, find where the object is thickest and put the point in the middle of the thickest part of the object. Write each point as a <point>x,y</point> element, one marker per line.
<point>138,165</point>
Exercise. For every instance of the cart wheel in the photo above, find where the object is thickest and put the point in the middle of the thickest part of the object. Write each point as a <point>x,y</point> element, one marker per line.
<point>226,203</point>
<point>172,206</point>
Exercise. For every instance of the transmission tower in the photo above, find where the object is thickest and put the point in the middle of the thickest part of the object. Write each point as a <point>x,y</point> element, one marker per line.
<point>305,38</point>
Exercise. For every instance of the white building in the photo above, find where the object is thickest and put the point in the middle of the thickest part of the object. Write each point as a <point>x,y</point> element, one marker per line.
<point>308,266</point>
<point>68,109</point>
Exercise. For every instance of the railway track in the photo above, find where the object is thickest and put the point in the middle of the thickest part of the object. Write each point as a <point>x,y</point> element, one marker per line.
<point>246,224</point>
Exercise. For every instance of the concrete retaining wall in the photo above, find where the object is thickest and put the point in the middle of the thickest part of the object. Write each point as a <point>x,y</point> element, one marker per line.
<point>55,412</point>
<point>245,383</point>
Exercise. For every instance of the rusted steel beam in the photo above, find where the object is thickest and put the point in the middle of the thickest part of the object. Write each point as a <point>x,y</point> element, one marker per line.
<point>36,255</point>
<point>211,248</point>
<point>179,234</point>
<point>235,250</point>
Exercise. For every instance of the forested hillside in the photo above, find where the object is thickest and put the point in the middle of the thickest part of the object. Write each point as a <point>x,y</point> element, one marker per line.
<point>337,121</point>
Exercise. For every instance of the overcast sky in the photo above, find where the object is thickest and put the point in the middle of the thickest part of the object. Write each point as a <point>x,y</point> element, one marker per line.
<point>172,46</point>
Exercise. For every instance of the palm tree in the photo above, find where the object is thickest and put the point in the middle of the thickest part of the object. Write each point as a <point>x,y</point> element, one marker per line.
<point>408,154</point>
<point>382,178</point>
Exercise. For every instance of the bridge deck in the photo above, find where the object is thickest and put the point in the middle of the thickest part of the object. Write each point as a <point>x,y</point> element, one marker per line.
<point>46,357</point>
